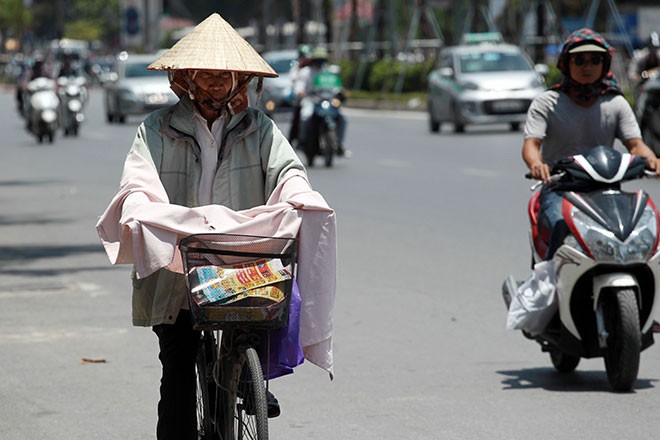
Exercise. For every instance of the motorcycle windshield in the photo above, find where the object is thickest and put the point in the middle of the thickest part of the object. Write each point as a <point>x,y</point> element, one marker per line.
<point>617,211</point>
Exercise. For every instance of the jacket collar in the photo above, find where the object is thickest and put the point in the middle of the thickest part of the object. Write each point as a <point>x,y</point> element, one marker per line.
<point>180,120</point>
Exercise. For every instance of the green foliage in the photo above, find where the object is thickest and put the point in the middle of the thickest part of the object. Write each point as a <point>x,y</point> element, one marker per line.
<point>348,72</point>
<point>98,18</point>
<point>554,76</point>
<point>14,18</point>
<point>89,30</point>
<point>383,75</point>
<point>78,19</point>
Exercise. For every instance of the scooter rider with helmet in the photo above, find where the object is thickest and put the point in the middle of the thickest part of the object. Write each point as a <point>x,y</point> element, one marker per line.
<point>303,60</point>
<point>318,62</point>
<point>585,110</point>
<point>646,60</point>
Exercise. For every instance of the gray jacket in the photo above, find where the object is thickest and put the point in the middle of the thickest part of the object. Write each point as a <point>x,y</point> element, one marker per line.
<point>253,156</point>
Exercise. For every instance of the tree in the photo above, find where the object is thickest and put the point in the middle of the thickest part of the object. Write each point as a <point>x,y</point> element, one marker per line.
<point>14,19</point>
<point>93,20</point>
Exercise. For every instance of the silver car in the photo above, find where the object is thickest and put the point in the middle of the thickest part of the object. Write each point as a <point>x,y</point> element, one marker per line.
<point>278,92</point>
<point>483,83</point>
<point>135,90</point>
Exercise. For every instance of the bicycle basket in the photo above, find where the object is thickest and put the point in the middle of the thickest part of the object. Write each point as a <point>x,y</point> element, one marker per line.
<point>238,280</point>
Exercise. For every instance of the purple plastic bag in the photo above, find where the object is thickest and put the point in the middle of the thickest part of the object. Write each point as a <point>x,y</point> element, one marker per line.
<point>285,349</point>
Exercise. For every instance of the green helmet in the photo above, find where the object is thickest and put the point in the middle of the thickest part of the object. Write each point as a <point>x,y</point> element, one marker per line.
<point>304,51</point>
<point>319,53</point>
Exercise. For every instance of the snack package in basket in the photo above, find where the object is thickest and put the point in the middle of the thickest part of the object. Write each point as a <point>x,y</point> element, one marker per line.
<point>212,284</point>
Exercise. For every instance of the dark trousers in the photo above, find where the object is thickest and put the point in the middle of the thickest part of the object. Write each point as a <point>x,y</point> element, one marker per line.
<point>295,124</point>
<point>177,417</point>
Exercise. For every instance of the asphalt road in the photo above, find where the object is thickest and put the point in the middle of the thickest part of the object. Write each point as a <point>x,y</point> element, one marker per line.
<point>429,226</point>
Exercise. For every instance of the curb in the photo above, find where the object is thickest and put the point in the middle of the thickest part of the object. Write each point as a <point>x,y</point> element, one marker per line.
<point>377,104</point>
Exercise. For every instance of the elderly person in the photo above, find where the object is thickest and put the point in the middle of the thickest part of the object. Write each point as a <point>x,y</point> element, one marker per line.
<point>208,164</point>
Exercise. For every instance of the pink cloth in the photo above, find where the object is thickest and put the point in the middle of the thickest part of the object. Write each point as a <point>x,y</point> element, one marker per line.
<point>142,228</point>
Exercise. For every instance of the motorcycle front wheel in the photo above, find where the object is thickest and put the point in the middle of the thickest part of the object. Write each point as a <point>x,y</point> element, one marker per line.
<point>624,340</point>
<point>328,144</point>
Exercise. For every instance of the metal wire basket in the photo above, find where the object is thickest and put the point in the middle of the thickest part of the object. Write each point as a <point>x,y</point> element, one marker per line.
<point>205,253</point>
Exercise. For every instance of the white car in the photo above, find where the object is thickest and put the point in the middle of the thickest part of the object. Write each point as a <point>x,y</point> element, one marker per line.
<point>135,90</point>
<point>278,92</point>
<point>483,83</point>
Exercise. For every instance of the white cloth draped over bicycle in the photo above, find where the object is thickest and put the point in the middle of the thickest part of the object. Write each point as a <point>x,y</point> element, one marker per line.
<point>142,228</point>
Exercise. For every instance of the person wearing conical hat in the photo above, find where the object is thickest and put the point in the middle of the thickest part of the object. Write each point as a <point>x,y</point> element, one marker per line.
<point>211,164</point>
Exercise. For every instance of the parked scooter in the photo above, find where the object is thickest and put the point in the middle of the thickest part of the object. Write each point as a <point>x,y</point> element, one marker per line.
<point>73,95</point>
<point>42,116</point>
<point>321,118</point>
<point>648,108</point>
<point>607,268</point>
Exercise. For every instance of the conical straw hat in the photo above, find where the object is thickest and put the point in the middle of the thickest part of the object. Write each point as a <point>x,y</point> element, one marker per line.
<point>213,45</point>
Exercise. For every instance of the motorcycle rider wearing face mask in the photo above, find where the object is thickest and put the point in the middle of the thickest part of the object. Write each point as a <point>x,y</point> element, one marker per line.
<point>585,110</point>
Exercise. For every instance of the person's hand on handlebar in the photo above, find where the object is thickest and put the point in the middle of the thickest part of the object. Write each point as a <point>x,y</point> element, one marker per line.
<point>637,147</point>
<point>540,171</point>
<point>653,163</point>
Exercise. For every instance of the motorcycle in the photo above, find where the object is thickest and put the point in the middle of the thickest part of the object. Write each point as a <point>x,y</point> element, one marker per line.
<point>73,95</point>
<point>321,118</point>
<point>42,114</point>
<point>607,269</point>
<point>648,108</point>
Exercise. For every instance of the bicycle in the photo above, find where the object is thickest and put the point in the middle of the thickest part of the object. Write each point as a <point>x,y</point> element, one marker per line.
<point>231,386</point>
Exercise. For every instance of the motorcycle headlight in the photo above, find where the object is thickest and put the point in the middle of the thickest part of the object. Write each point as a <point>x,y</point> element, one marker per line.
<point>74,105</point>
<point>49,116</point>
<point>605,246</point>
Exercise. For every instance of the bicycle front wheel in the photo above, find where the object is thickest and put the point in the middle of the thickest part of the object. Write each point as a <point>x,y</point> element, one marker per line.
<point>246,396</point>
<point>209,422</point>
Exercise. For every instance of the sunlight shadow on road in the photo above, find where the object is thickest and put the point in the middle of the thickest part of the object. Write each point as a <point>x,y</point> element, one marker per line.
<point>19,254</point>
<point>28,182</point>
<point>551,380</point>
<point>30,220</point>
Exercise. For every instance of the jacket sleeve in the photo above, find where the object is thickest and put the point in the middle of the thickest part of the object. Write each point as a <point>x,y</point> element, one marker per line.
<point>277,155</point>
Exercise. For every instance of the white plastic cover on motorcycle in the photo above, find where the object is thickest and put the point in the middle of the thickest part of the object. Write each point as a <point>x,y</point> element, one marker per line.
<point>535,302</point>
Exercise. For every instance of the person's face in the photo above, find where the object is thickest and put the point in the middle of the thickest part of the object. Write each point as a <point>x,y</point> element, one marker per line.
<point>586,67</point>
<point>214,82</point>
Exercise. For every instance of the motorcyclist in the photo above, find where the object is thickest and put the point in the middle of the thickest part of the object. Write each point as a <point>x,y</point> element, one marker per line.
<point>304,87</point>
<point>585,110</point>
<point>303,61</point>
<point>67,68</point>
<point>33,70</point>
<point>38,69</point>
<point>645,60</point>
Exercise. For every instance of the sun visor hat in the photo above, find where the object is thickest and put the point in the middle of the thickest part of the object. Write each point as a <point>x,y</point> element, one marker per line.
<point>214,45</point>
<point>587,48</point>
